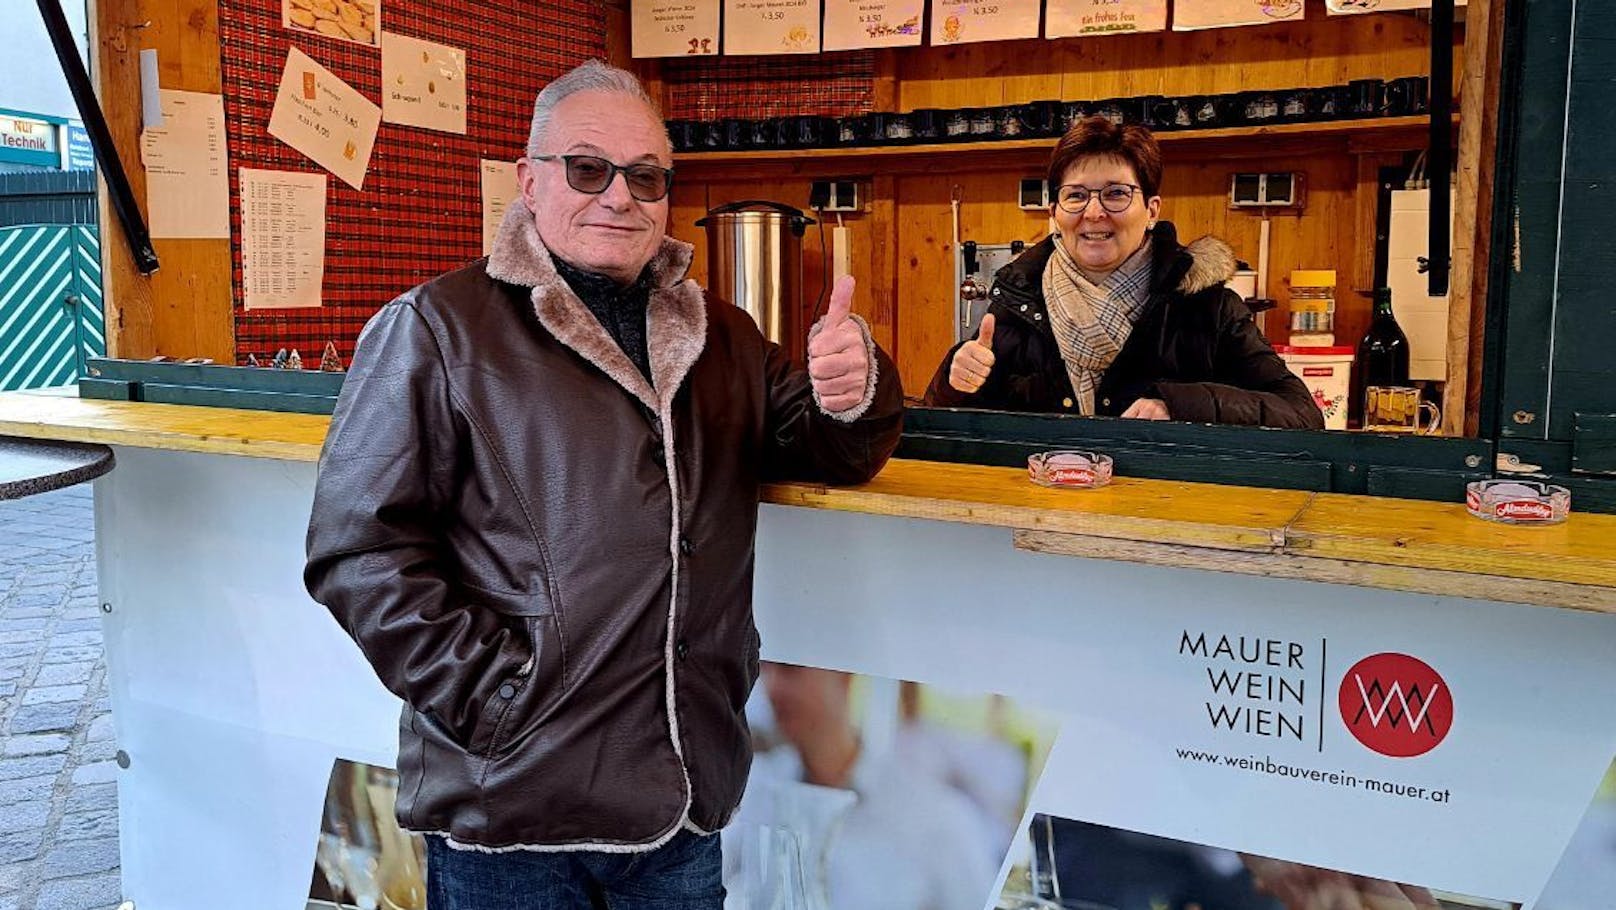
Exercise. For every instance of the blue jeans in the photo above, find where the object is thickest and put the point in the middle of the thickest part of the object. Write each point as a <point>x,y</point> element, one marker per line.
<point>684,874</point>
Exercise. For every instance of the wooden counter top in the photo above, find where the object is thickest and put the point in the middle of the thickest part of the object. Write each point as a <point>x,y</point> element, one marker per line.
<point>1400,544</point>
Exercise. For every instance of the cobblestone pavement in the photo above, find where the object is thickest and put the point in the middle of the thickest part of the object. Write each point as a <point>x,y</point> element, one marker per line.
<point>58,795</point>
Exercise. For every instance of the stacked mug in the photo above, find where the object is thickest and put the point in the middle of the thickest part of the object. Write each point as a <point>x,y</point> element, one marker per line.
<point>1362,98</point>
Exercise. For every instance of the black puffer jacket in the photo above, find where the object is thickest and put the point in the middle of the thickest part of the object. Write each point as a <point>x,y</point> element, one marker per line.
<point>1195,347</point>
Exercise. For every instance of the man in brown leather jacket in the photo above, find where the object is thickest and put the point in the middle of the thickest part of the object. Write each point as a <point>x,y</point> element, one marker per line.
<point>535,515</point>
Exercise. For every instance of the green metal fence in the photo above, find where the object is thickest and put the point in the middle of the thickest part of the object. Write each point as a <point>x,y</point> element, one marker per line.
<point>51,314</point>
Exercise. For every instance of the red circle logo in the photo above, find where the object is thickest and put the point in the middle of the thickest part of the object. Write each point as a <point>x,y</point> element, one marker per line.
<point>1396,705</point>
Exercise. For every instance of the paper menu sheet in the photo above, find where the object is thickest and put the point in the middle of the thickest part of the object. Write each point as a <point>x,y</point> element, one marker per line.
<point>423,84</point>
<point>324,118</point>
<point>499,191</point>
<point>964,21</point>
<point>187,176</point>
<point>674,28</point>
<point>282,238</point>
<point>852,24</point>
<point>771,27</point>
<point>1224,13</point>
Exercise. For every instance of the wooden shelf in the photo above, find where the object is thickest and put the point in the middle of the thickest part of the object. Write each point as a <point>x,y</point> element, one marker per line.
<point>1377,134</point>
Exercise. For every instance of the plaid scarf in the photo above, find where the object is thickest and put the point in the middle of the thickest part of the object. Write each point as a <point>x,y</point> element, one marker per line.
<point>1092,321</point>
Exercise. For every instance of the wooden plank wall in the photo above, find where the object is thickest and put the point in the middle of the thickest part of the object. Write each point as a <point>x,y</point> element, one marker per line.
<point>183,309</point>
<point>901,243</point>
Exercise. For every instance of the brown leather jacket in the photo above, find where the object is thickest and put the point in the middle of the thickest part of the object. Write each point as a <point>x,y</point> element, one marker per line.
<point>550,560</point>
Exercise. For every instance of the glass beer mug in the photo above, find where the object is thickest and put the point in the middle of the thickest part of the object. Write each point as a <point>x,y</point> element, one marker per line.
<point>1396,409</point>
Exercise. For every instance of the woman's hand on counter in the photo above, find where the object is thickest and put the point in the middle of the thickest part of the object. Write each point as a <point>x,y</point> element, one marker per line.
<point>1147,409</point>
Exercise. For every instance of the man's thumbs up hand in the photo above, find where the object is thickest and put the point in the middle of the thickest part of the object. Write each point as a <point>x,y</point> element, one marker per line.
<point>838,360</point>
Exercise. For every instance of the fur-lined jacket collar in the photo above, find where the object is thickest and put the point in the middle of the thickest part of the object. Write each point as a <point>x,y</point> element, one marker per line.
<point>676,315</point>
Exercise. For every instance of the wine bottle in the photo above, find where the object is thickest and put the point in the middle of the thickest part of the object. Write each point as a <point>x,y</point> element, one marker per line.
<point>1382,353</point>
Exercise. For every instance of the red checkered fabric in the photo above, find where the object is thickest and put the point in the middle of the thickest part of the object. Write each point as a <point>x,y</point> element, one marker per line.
<point>420,213</point>
<point>827,85</point>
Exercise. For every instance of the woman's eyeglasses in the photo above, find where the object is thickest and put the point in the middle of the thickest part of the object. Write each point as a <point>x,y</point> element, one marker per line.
<point>591,174</point>
<point>1114,197</point>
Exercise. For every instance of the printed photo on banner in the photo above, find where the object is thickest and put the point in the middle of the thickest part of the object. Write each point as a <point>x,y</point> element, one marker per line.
<point>753,27</point>
<point>673,28</point>
<point>358,21</point>
<point>854,24</point>
<point>1062,863</point>
<point>1068,18</point>
<point>1198,14</point>
<point>883,793</point>
<point>1586,874</point>
<point>363,860</point>
<point>965,21</point>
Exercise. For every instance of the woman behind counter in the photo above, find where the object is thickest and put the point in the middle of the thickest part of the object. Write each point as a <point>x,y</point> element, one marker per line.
<point>1112,317</point>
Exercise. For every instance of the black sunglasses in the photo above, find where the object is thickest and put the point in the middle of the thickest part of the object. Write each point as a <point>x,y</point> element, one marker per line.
<point>592,174</point>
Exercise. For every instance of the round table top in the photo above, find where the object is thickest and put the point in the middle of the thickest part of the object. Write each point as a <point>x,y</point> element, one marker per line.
<point>29,466</point>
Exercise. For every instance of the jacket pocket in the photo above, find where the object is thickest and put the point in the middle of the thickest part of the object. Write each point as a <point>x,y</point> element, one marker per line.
<point>521,698</point>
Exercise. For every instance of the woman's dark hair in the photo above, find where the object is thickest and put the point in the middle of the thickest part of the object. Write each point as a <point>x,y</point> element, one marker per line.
<point>1097,137</point>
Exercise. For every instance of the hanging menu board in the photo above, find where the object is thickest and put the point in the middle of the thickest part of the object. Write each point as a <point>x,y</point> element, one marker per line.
<point>754,27</point>
<point>853,24</point>
<point>1066,18</point>
<point>965,21</point>
<point>674,28</point>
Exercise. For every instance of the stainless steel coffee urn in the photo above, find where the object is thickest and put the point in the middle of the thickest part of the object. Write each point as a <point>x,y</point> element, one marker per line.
<point>754,260</point>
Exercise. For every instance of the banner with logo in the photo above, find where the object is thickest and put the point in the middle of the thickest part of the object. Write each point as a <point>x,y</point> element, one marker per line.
<point>1307,733</point>
<point>1066,18</point>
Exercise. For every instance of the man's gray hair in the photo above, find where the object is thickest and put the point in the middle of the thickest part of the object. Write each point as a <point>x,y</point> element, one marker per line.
<point>589,76</point>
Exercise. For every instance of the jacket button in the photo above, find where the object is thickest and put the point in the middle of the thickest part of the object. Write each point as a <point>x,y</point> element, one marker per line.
<point>507,691</point>
<point>1066,402</point>
<point>681,649</point>
<point>658,455</point>
<point>685,546</point>
<point>1106,402</point>
<point>1038,315</point>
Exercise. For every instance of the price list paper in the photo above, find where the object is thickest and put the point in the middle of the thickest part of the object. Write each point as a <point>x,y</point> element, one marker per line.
<point>674,28</point>
<point>965,21</point>
<point>423,84</point>
<point>282,238</point>
<point>187,183</point>
<point>854,24</point>
<point>1068,18</point>
<point>324,118</point>
<point>771,27</point>
<point>1189,15</point>
<point>500,189</point>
